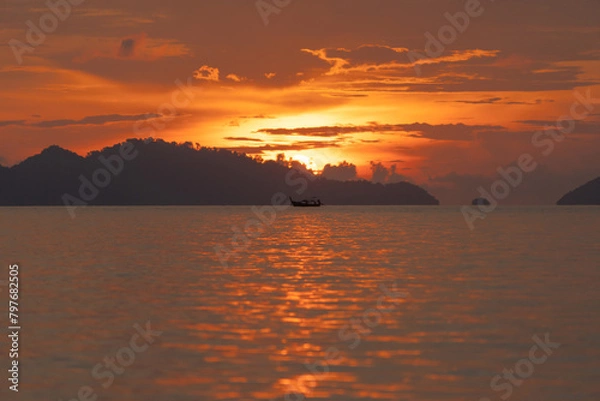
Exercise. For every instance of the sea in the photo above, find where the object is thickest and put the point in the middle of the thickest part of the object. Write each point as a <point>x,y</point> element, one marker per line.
<point>341,303</point>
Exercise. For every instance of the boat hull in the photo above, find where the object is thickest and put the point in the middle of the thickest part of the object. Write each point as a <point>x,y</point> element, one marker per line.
<point>306,203</point>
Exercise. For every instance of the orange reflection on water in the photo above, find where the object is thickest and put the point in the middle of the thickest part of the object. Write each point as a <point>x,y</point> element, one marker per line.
<point>248,332</point>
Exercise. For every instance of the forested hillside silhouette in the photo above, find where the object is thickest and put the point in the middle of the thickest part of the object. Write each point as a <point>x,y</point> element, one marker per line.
<point>163,173</point>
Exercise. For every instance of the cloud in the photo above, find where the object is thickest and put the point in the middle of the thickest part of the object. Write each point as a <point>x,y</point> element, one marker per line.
<point>90,120</point>
<point>11,122</point>
<point>323,132</point>
<point>496,100</point>
<point>363,58</point>
<point>241,119</point>
<point>447,132</point>
<point>134,47</point>
<point>296,146</point>
<point>582,127</point>
<point>534,103</point>
<point>127,48</point>
<point>96,120</point>
<point>350,95</point>
<point>235,78</point>
<point>116,17</point>
<point>259,116</point>
<point>382,68</point>
<point>384,175</point>
<point>342,172</point>
<point>376,63</point>
<point>207,73</point>
<point>363,42</point>
<point>458,56</point>
<point>242,138</point>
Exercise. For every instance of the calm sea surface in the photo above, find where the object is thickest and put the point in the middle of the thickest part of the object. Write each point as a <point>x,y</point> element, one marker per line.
<point>295,309</point>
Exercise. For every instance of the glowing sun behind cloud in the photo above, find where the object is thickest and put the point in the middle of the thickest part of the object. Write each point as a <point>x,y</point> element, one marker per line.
<point>315,164</point>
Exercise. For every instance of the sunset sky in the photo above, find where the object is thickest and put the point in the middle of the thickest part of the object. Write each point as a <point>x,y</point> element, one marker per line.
<point>325,81</point>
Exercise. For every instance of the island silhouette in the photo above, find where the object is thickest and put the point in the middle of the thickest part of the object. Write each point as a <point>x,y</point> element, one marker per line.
<point>587,194</point>
<point>156,172</point>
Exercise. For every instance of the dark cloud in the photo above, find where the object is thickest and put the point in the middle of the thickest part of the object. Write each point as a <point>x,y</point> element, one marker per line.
<point>440,83</point>
<point>296,146</point>
<point>463,71</point>
<point>349,95</point>
<point>242,138</point>
<point>127,48</point>
<point>11,122</point>
<point>365,55</point>
<point>535,102</point>
<point>536,123</point>
<point>324,132</point>
<point>384,175</point>
<point>259,117</point>
<point>239,120</point>
<point>447,132</point>
<point>95,120</point>
<point>496,100</point>
<point>581,127</point>
<point>357,33</point>
<point>90,120</point>
<point>342,172</point>
<point>483,101</point>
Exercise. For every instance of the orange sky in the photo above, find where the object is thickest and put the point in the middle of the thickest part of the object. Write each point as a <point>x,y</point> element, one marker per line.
<point>323,82</point>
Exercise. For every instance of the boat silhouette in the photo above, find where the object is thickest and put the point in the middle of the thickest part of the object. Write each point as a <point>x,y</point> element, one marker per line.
<point>306,202</point>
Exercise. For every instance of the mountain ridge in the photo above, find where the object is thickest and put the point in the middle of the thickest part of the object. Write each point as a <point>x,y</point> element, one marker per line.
<point>155,172</point>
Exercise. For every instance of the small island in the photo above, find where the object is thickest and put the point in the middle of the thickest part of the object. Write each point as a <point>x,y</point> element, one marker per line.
<point>587,194</point>
<point>480,202</point>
